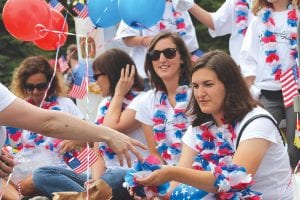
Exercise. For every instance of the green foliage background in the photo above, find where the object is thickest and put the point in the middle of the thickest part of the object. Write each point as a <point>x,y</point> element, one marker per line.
<point>13,51</point>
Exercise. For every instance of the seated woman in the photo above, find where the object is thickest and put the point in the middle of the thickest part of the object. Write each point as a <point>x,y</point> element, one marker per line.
<point>115,73</point>
<point>32,82</point>
<point>255,166</point>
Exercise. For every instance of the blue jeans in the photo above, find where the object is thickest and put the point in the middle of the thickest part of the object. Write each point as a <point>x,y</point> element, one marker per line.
<point>56,179</point>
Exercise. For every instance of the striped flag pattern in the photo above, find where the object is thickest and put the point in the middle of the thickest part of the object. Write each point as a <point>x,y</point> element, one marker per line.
<point>79,163</point>
<point>81,10</point>
<point>63,64</point>
<point>79,91</point>
<point>56,5</point>
<point>289,87</point>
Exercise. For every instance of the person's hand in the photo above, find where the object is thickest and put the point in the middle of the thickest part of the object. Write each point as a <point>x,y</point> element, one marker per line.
<point>157,177</point>
<point>121,144</point>
<point>182,5</point>
<point>126,81</point>
<point>6,164</point>
<point>69,145</point>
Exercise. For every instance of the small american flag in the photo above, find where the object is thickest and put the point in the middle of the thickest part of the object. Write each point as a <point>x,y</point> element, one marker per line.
<point>196,54</point>
<point>78,160</point>
<point>81,10</point>
<point>63,64</point>
<point>79,90</point>
<point>289,87</point>
<point>56,5</point>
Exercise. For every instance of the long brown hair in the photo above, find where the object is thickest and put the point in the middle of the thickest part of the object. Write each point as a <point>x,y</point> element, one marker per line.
<point>238,101</point>
<point>258,5</point>
<point>110,63</point>
<point>185,65</point>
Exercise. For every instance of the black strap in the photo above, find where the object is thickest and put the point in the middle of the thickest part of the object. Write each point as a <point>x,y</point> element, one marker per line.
<point>253,118</point>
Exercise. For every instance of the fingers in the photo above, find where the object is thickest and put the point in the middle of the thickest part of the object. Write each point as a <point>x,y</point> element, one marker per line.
<point>120,158</point>
<point>6,165</point>
<point>128,159</point>
<point>138,144</point>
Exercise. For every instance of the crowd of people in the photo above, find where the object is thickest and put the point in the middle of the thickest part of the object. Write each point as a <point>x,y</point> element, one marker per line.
<point>212,123</point>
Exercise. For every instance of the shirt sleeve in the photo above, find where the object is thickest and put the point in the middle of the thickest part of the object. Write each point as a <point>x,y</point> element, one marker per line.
<point>249,51</point>
<point>189,137</point>
<point>223,19</point>
<point>6,97</point>
<point>145,108</point>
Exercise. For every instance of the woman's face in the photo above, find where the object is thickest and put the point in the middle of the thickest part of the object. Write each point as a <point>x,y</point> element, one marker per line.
<point>103,83</point>
<point>209,92</point>
<point>167,62</point>
<point>36,86</point>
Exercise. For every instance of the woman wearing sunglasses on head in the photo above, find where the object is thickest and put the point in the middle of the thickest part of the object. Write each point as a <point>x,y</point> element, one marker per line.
<point>30,82</point>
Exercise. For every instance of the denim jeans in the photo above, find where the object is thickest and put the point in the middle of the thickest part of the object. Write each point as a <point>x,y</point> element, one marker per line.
<point>56,179</point>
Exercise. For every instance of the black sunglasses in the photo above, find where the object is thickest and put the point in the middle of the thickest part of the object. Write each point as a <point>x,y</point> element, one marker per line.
<point>39,86</point>
<point>96,76</point>
<point>169,53</point>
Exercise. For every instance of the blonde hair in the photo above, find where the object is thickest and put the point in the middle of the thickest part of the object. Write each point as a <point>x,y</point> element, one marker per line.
<point>258,5</point>
<point>34,65</point>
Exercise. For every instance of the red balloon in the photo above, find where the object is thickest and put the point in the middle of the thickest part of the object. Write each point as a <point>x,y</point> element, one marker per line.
<point>54,40</point>
<point>23,18</point>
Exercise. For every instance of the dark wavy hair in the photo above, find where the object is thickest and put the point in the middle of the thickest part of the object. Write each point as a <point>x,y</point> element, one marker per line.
<point>111,62</point>
<point>238,100</point>
<point>34,65</point>
<point>184,78</point>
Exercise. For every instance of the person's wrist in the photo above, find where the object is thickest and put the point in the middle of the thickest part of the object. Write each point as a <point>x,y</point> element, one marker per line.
<point>144,42</point>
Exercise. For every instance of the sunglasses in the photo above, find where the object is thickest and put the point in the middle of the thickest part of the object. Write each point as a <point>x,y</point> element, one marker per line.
<point>96,76</point>
<point>39,86</point>
<point>169,53</point>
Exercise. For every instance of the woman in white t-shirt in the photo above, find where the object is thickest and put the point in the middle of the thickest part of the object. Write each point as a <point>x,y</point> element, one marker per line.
<point>257,167</point>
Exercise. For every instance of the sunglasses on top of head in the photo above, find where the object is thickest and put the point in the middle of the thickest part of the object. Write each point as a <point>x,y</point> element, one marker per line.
<point>39,86</point>
<point>169,53</point>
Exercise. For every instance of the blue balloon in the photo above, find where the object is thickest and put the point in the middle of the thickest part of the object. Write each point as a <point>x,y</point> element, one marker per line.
<point>103,13</point>
<point>140,14</point>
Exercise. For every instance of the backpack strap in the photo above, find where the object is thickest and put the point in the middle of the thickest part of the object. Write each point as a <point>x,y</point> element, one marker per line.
<point>253,118</point>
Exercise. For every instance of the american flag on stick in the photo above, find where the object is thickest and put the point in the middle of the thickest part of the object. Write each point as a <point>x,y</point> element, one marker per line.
<point>81,10</point>
<point>79,161</point>
<point>56,5</point>
<point>79,90</point>
<point>289,87</point>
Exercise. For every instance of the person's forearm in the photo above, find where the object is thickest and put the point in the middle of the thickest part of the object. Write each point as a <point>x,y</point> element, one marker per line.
<point>137,41</point>
<point>202,15</point>
<point>112,116</point>
<point>203,180</point>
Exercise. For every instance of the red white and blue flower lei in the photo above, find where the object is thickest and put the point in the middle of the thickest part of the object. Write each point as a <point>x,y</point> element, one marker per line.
<point>241,16</point>
<point>171,150</point>
<point>21,139</point>
<point>105,150</point>
<point>216,148</point>
<point>269,40</point>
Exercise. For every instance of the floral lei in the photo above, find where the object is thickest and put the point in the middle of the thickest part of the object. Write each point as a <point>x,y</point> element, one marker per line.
<point>241,16</point>
<point>269,40</point>
<point>171,151</point>
<point>179,21</point>
<point>216,148</point>
<point>106,151</point>
<point>16,135</point>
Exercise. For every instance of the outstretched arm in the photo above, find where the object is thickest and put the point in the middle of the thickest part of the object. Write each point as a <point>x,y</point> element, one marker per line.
<point>62,125</point>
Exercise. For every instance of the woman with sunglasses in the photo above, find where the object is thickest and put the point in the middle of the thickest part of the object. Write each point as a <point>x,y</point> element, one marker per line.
<point>32,82</point>
<point>228,161</point>
<point>115,73</point>
<point>161,110</point>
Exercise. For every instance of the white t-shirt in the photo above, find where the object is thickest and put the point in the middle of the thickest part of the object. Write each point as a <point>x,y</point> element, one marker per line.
<point>274,173</point>
<point>6,98</point>
<point>138,53</point>
<point>145,109</point>
<point>252,59</point>
<point>136,134</point>
<point>224,23</point>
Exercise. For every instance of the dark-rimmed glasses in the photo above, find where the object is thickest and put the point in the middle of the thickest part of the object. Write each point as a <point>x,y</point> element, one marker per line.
<point>169,53</point>
<point>96,76</point>
<point>39,86</point>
